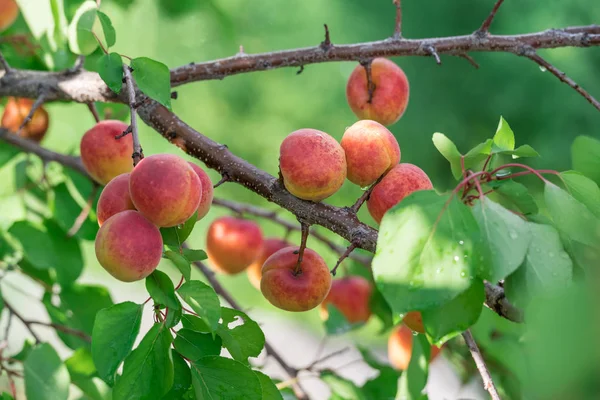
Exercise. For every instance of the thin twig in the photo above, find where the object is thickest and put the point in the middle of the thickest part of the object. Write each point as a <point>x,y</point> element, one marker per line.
<point>94,111</point>
<point>365,196</point>
<point>398,26</point>
<point>65,329</point>
<point>326,357</point>
<point>349,250</point>
<point>304,237</point>
<point>85,211</point>
<point>224,178</point>
<point>488,383</point>
<point>431,50</point>
<point>326,44</point>
<point>7,68</point>
<point>34,107</point>
<point>23,320</point>
<point>138,153</point>
<point>485,26</point>
<point>563,77</point>
<point>470,60</point>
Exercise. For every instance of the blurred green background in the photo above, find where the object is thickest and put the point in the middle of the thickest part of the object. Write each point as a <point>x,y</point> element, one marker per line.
<point>252,113</point>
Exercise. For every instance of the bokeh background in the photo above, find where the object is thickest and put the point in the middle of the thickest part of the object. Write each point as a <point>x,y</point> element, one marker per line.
<point>252,113</point>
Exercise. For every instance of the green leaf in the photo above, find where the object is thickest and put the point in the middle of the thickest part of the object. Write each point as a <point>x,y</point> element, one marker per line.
<point>194,323</point>
<point>501,230</point>
<point>583,189</point>
<point>115,330</point>
<point>35,243</point>
<point>269,390</point>
<point>504,139</point>
<point>336,323</point>
<point>65,211</point>
<point>110,68</point>
<point>195,345</point>
<point>24,352</point>
<point>148,370</point>
<point>81,39</point>
<point>244,340</point>
<point>413,380</point>
<point>153,78</point>
<point>46,377</point>
<point>385,385</point>
<point>182,264</point>
<point>203,300</point>
<point>217,377</point>
<point>82,371</point>
<point>341,388</point>
<point>182,380</point>
<point>518,195</point>
<point>174,315</point>
<point>448,149</point>
<point>109,31</point>
<point>194,255</point>
<point>478,154</point>
<point>524,151</point>
<point>161,289</point>
<point>445,322</point>
<point>585,153</point>
<point>426,252</point>
<point>381,309</point>
<point>175,236</point>
<point>546,268</point>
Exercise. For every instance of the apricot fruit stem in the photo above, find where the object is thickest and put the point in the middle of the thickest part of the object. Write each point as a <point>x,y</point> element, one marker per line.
<point>304,231</point>
<point>370,84</point>
<point>349,250</point>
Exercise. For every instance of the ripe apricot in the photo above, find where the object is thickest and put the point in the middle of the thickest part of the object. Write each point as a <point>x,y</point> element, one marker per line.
<point>351,296</point>
<point>207,191</point>
<point>114,198</point>
<point>270,246</point>
<point>16,111</point>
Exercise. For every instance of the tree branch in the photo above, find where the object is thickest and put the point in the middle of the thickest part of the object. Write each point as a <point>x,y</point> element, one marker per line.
<point>5,66</point>
<point>496,300</point>
<point>36,104</point>
<point>23,320</point>
<point>138,153</point>
<point>398,26</point>
<point>488,383</point>
<point>485,26</point>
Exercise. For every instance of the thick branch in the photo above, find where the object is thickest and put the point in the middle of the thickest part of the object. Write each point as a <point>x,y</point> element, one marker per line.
<point>496,300</point>
<point>581,36</point>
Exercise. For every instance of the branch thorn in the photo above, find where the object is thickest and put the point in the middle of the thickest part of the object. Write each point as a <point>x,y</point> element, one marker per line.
<point>326,44</point>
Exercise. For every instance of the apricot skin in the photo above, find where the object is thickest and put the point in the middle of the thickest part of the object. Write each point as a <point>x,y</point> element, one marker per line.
<point>103,156</point>
<point>114,198</point>
<point>371,151</point>
<point>414,321</point>
<point>232,244</point>
<point>289,291</point>
<point>270,246</point>
<point>399,182</point>
<point>390,96</point>
<point>400,347</point>
<point>351,296</point>
<point>129,246</point>
<point>207,191</point>
<point>165,189</point>
<point>9,11</point>
<point>16,111</point>
<point>312,163</point>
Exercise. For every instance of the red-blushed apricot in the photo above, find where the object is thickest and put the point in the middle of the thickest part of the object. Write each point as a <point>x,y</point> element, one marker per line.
<point>207,191</point>
<point>16,111</point>
<point>371,151</point>
<point>351,296</point>
<point>414,321</point>
<point>232,244</point>
<point>400,347</point>
<point>270,246</point>
<point>165,189</point>
<point>114,198</point>
<point>312,163</point>
<point>401,181</point>
<point>390,96</point>
<point>291,291</point>
<point>129,246</point>
<point>103,156</point>
<point>9,11</point>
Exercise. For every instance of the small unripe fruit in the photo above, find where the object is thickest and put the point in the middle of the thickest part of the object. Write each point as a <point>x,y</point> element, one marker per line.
<point>292,290</point>
<point>165,189</point>
<point>232,244</point>
<point>312,163</point>
<point>414,321</point>
<point>9,11</point>
<point>207,191</point>
<point>351,296</point>
<point>390,97</point>
<point>114,198</point>
<point>371,151</point>
<point>16,111</point>
<point>103,156</point>
<point>129,246</point>
<point>270,246</point>
<point>401,181</point>
<point>400,345</point>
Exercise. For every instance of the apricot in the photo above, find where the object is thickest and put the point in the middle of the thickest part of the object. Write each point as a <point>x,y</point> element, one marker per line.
<point>400,347</point>
<point>9,11</point>
<point>207,191</point>
<point>270,246</point>
<point>401,181</point>
<point>16,111</point>
<point>351,296</point>
<point>114,198</point>
<point>414,321</point>
<point>232,244</point>
<point>165,189</point>
<point>312,163</point>
<point>292,290</point>
<point>103,156</point>
<point>371,151</point>
<point>129,246</point>
<point>389,97</point>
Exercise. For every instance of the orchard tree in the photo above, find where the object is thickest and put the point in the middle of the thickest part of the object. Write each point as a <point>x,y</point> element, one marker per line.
<point>495,259</point>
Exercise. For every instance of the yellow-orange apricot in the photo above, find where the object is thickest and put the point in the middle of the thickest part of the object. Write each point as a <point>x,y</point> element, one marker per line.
<point>16,111</point>
<point>270,246</point>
